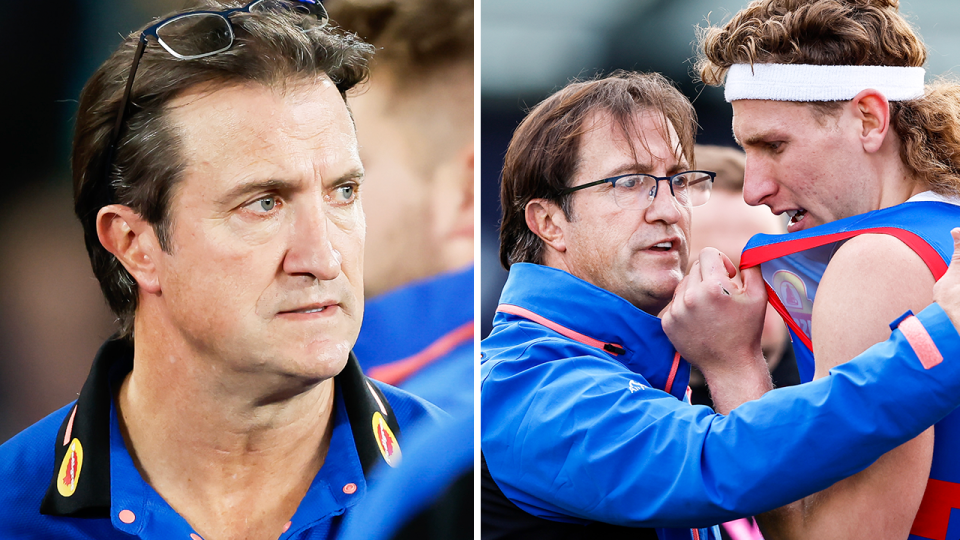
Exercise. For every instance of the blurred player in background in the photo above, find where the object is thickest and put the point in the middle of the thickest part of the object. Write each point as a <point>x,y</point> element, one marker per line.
<point>415,127</point>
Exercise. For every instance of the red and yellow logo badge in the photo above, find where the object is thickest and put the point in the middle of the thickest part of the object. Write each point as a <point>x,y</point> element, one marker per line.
<point>70,469</point>
<point>387,442</point>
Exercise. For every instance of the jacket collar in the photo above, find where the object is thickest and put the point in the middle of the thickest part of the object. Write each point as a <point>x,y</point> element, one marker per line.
<point>80,486</point>
<point>572,303</point>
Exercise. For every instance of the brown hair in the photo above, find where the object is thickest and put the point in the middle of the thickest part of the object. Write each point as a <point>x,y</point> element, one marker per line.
<point>270,48</point>
<point>847,32</point>
<point>729,164</point>
<point>544,152</point>
<point>413,37</point>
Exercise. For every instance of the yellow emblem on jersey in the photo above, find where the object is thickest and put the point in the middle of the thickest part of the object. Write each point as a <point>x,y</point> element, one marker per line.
<point>70,469</point>
<point>389,448</point>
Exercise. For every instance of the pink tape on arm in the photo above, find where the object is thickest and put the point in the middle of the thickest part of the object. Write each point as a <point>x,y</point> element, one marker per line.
<point>921,342</point>
<point>743,529</point>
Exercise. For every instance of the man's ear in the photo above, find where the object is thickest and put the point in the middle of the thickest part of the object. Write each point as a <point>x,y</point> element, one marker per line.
<point>547,220</point>
<point>871,108</point>
<point>132,240</point>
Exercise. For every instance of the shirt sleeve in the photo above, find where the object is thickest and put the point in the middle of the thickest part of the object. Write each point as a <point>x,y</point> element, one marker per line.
<point>584,439</point>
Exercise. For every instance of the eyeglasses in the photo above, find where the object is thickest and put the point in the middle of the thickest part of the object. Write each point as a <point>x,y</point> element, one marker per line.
<point>637,191</point>
<point>192,35</point>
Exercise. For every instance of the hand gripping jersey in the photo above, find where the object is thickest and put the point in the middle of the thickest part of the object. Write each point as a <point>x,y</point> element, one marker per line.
<point>582,423</point>
<point>792,266</point>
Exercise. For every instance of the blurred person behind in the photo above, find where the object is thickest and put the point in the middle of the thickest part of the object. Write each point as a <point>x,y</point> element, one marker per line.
<point>415,128</point>
<point>727,223</point>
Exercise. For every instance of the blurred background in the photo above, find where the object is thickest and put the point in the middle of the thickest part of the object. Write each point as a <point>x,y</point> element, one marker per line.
<point>531,48</point>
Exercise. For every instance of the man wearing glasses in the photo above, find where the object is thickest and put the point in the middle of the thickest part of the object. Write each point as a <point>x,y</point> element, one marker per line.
<point>584,429</point>
<point>218,183</point>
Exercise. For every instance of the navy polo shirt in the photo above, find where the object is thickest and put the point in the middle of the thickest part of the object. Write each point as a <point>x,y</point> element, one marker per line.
<point>70,475</point>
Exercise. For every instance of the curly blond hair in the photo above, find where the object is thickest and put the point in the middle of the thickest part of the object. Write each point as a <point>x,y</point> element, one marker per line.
<point>847,32</point>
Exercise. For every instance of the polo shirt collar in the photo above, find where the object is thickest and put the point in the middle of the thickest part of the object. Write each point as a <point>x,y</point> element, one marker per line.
<point>94,475</point>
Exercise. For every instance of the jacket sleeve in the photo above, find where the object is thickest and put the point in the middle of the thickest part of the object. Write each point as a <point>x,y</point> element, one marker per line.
<point>574,440</point>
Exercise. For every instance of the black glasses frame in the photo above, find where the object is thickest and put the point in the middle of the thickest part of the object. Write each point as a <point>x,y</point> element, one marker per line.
<point>314,7</point>
<point>656,185</point>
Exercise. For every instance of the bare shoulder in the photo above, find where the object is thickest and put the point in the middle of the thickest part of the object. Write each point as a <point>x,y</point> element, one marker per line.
<point>871,280</point>
<point>877,256</point>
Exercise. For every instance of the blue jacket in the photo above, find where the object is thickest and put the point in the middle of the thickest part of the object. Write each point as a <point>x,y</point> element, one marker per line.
<point>70,475</point>
<point>577,426</point>
<point>420,338</point>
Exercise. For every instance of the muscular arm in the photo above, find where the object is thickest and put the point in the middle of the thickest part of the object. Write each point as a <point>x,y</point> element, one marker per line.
<point>870,281</point>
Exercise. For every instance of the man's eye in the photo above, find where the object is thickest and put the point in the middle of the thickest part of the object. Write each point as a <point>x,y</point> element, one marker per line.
<point>344,194</point>
<point>263,205</point>
<point>628,182</point>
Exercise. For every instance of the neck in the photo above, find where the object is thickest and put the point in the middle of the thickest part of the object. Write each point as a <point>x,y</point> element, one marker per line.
<point>897,182</point>
<point>216,441</point>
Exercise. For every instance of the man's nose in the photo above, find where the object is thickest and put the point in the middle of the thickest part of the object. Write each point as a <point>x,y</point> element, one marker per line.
<point>758,185</point>
<point>664,207</point>
<point>310,249</point>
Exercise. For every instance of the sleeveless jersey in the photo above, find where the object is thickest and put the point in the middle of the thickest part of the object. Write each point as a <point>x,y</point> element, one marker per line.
<point>792,266</point>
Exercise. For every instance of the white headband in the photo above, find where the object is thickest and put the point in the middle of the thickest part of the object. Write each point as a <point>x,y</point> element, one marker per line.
<point>803,82</point>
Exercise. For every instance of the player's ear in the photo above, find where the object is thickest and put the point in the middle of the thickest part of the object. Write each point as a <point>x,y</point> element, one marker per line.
<point>132,240</point>
<point>546,219</point>
<point>872,110</point>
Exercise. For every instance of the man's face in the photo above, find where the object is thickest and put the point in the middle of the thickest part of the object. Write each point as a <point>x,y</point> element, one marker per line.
<point>806,166</point>
<point>637,254</point>
<point>266,244</point>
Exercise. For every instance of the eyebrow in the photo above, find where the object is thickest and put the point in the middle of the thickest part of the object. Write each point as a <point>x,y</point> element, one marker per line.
<point>354,174</point>
<point>751,140</point>
<point>274,184</point>
<point>253,186</point>
<point>644,168</point>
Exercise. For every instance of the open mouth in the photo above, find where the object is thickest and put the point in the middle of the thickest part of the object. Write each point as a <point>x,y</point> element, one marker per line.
<point>662,246</point>
<point>796,216</point>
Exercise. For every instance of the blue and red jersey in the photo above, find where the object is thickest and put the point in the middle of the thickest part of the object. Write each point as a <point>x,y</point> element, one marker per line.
<point>792,266</point>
